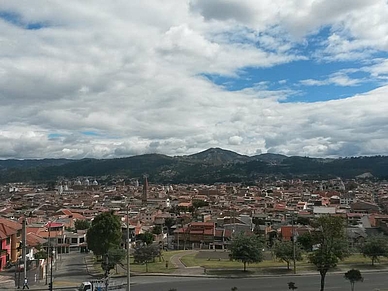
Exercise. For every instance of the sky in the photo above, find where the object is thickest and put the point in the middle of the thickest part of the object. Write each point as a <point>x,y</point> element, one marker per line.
<point>111,79</point>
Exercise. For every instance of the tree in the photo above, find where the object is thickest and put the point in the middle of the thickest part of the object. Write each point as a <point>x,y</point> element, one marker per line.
<point>81,224</point>
<point>375,247</point>
<point>157,229</point>
<point>353,276</point>
<point>146,237</point>
<point>146,254</point>
<point>246,249</point>
<point>169,222</point>
<point>41,252</point>
<point>329,237</point>
<point>112,258</point>
<point>200,203</point>
<point>284,250</point>
<point>104,233</point>
<point>305,240</point>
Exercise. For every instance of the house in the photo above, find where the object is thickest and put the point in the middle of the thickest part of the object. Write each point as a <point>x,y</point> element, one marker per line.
<point>5,243</point>
<point>364,207</point>
<point>76,241</point>
<point>356,236</point>
<point>195,235</point>
<point>286,232</point>
<point>13,230</point>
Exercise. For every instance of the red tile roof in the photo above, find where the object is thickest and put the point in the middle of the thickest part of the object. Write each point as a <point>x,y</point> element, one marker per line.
<point>8,231</point>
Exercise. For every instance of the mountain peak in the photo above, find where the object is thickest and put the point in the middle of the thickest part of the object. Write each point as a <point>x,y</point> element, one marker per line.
<point>218,156</point>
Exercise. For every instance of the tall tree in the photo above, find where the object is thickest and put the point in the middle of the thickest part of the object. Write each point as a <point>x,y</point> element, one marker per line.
<point>305,240</point>
<point>246,249</point>
<point>169,222</point>
<point>284,250</point>
<point>331,244</point>
<point>375,247</point>
<point>104,233</point>
<point>353,276</point>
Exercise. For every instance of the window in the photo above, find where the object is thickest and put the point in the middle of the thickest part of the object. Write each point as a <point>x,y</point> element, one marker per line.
<point>8,241</point>
<point>74,240</point>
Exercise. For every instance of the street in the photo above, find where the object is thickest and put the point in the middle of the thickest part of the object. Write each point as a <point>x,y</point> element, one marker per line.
<point>372,282</point>
<point>71,270</point>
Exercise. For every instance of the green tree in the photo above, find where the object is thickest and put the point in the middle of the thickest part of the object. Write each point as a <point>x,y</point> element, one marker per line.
<point>41,252</point>
<point>375,247</point>
<point>146,254</point>
<point>246,249</point>
<point>146,237</point>
<point>157,229</point>
<point>284,250</point>
<point>113,257</point>
<point>169,222</point>
<point>353,276</point>
<point>200,203</point>
<point>330,239</point>
<point>306,241</point>
<point>81,224</point>
<point>104,233</point>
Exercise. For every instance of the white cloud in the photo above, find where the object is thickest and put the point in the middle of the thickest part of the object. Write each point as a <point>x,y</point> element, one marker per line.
<point>132,72</point>
<point>338,79</point>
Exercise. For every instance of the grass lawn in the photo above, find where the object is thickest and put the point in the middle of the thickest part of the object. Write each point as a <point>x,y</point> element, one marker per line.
<point>157,266</point>
<point>223,266</point>
<point>273,266</point>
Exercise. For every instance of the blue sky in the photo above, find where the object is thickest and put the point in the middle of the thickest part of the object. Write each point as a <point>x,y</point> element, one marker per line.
<point>291,76</point>
<point>105,80</point>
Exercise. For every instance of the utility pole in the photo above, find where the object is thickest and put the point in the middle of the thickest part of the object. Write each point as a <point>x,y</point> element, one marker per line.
<point>51,271</point>
<point>24,249</point>
<point>178,235</point>
<point>128,253</point>
<point>293,242</point>
<point>48,251</point>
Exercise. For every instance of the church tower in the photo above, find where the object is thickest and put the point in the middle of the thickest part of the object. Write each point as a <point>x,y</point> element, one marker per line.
<point>145,191</point>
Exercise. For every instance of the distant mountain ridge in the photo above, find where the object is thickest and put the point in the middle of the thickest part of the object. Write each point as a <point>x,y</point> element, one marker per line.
<point>209,166</point>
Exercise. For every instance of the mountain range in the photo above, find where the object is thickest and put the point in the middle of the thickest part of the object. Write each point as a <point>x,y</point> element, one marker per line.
<point>209,166</point>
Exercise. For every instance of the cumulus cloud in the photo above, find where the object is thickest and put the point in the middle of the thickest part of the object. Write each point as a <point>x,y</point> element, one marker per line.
<point>134,74</point>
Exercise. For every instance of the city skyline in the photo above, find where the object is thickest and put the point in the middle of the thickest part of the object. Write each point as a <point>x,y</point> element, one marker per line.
<point>100,80</point>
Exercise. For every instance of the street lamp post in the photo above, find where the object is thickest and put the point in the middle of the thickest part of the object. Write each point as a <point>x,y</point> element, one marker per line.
<point>24,245</point>
<point>293,243</point>
<point>128,253</point>
<point>51,271</point>
<point>48,249</point>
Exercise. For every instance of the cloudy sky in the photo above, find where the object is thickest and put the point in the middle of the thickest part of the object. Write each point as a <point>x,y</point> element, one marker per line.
<point>109,79</point>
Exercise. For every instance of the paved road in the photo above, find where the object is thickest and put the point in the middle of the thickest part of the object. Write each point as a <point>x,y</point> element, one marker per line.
<point>71,270</point>
<point>372,282</point>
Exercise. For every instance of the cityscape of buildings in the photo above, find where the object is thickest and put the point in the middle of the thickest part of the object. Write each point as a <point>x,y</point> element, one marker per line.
<point>204,216</point>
